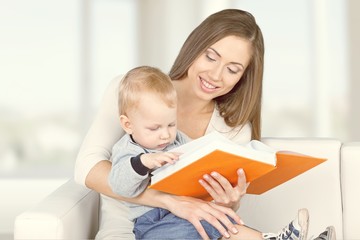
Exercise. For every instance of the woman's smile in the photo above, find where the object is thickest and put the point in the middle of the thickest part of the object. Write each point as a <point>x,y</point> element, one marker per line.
<point>207,86</point>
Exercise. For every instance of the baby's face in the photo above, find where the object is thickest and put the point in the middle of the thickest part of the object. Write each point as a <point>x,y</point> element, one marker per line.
<point>153,123</point>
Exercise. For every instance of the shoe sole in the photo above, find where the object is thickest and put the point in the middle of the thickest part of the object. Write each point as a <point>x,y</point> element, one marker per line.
<point>303,222</point>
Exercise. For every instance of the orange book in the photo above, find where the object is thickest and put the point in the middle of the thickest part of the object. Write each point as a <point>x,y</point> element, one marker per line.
<point>264,167</point>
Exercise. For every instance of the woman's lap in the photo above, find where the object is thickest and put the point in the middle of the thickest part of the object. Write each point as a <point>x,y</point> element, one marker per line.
<point>114,222</point>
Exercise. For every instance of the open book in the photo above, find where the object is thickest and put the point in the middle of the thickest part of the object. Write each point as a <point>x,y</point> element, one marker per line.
<point>264,167</point>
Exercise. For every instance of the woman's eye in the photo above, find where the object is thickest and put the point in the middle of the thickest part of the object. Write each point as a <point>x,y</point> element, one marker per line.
<point>232,71</point>
<point>209,57</point>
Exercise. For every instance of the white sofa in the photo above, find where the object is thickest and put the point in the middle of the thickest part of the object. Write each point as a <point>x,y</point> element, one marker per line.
<point>330,191</point>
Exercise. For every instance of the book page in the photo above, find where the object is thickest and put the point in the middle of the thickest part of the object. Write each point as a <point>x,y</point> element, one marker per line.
<point>215,141</point>
<point>260,146</point>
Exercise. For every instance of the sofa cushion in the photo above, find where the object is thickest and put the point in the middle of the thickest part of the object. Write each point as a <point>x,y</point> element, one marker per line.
<point>318,190</point>
<point>350,179</point>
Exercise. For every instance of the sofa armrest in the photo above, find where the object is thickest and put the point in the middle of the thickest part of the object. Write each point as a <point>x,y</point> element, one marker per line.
<point>317,189</point>
<point>350,178</point>
<point>70,212</point>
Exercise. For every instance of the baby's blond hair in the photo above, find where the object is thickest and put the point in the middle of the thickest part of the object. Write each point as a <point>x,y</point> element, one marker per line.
<point>144,79</point>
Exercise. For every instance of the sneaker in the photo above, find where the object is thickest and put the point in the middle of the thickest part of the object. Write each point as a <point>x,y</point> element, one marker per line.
<point>296,230</point>
<point>328,234</point>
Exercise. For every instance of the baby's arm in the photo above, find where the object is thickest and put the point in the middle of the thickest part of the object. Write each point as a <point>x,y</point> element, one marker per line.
<point>129,176</point>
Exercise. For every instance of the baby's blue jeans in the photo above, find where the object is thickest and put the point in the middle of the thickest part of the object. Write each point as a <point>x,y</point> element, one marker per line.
<point>159,224</point>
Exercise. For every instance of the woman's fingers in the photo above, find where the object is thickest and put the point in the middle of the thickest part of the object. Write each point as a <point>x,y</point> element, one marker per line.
<point>231,193</point>
<point>195,210</point>
<point>208,188</point>
<point>241,184</point>
<point>199,228</point>
<point>228,212</point>
<point>221,190</point>
<point>217,217</point>
<point>211,220</point>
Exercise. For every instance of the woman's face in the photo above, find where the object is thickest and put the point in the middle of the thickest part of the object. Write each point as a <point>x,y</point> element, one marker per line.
<point>216,71</point>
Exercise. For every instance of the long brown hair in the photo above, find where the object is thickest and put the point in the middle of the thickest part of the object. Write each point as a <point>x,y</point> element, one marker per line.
<point>243,103</point>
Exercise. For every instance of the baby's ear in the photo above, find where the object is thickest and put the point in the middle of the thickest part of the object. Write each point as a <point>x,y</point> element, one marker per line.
<point>125,124</point>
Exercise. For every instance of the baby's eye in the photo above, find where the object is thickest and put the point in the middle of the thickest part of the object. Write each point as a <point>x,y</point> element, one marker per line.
<point>153,128</point>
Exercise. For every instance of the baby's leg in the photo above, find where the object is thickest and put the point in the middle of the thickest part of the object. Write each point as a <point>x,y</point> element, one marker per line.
<point>162,224</point>
<point>297,230</point>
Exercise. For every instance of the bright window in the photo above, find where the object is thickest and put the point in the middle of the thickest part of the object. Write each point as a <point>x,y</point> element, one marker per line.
<point>42,102</point>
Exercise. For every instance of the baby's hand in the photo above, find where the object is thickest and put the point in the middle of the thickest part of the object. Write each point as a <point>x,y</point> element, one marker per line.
<point>155,160</point>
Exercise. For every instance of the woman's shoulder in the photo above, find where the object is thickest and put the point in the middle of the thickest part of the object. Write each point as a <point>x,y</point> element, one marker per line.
<point>111,91</point>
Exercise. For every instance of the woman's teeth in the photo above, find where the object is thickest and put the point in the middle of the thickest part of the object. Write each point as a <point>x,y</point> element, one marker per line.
<point>208,85</point>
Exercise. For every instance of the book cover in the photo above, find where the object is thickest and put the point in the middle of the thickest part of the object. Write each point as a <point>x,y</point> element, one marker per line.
<point>264,167</point>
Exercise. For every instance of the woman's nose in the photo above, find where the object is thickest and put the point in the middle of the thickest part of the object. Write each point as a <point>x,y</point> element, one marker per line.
<point>215,73</point>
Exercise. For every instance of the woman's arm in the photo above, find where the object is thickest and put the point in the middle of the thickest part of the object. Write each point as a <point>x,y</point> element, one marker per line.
<point>104,132</point>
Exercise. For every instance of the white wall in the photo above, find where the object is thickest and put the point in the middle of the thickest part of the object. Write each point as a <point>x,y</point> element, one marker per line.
<point>306,80</point>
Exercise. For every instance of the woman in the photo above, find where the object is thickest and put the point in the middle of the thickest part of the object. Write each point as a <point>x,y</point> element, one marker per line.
<point>218,78</point>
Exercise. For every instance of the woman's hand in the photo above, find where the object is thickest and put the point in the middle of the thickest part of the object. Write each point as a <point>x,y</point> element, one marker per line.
<point>221,190</point>
<point>194,210</point>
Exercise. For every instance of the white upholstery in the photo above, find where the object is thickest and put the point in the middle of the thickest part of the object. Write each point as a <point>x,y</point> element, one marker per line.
<point>71,212</point>
<point>318,190</point>
<point>350,179</point>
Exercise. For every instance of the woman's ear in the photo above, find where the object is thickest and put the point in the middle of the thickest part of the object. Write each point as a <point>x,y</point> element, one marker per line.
<point>125,124</point>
